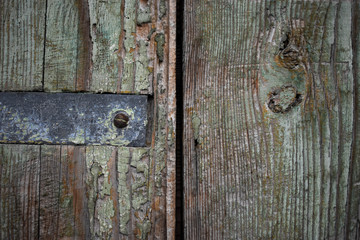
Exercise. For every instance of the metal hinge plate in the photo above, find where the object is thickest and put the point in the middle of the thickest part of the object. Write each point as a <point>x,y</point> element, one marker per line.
<point>72,118</point>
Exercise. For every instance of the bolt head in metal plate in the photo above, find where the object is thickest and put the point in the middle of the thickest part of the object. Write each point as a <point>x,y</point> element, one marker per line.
<point>121,120</point>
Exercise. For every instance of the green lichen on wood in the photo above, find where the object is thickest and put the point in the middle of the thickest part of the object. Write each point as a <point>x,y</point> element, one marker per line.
<point>160,43</point>
<point>142,81</point>
<point>344,49</point>
<point>196,122</point>
<point>140,178</point>
<point>127,78</point>
<point>143,15</point>
<point>61,46</point>
<point>162,9</point>
<point>124,189</point>
<point>100,204</point>
<point>140,198</point>
<point>160,149</point>
<point>144,229</point>
<point>105,26</point>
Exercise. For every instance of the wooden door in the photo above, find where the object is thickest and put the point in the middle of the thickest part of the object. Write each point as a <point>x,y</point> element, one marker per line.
<point>271,116</point>
<point>86,191</point>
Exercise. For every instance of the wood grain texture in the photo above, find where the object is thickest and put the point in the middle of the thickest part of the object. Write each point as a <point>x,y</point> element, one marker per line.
<point>94,192</point>
<point>19,191</point>
<point>99,192</point>
<point>271,120</point>
<point>22,31</point>
<point>101,46</point>
<point>63,193</point>
<point>68,46</point>
<point>90,46</point>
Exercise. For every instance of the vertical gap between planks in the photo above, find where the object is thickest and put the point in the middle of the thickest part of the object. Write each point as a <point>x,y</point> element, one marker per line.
<point>179,221</point>
<point>39,194</point>
<point>43,67</point>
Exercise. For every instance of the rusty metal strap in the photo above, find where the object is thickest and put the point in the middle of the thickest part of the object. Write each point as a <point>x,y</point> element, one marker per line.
<point>73,118</point>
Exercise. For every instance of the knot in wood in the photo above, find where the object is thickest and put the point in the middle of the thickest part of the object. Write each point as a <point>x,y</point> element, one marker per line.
<point>283,99</point>
<point>292,53</point>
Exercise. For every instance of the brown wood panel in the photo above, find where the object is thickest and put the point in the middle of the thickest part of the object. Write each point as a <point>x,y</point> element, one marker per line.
<point>22,31</point>
<point>63,193</point>
<point>271,122</point>
<point>19,191</point>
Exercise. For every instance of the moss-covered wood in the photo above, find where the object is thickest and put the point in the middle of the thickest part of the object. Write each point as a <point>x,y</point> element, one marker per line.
<point>90,192</point>
<point>271,119</point>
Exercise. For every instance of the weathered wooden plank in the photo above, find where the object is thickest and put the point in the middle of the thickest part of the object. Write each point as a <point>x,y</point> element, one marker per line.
<point>50,192</point>
<point>105,23</point>
<point>102,191</point>
<point>19,191</point>
<point>271,109</point>
<point>22,31</point>
<point>79,192</point>
<point>352,230</point>
<point>102,46</point>
<point>134,191</point>
<point>68,46</point>
<point>124,191</point>
<point>140,193</point>
<point>63,201</point>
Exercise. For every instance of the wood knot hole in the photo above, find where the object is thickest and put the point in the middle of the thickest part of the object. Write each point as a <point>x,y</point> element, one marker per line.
<point>292,51</point>
<point>283,99</point>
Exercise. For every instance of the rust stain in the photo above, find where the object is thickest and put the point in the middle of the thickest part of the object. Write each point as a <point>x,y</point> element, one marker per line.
<point>83,75</point>
<point>189,110</point>
<point>126,92</point>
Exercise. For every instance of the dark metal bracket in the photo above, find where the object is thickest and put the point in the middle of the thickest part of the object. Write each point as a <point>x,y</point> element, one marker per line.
<point>73,118</point>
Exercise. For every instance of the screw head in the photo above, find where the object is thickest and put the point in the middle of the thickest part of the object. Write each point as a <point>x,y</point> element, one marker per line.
<point>121,120</point>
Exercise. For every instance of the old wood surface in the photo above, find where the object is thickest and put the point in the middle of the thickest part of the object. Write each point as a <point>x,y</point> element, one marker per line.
<point>90,192</point>
<point>271,117</point>
<point>22,28</point>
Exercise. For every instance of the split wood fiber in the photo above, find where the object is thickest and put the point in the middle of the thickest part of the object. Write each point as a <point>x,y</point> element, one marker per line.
<point>271,116</point>
<point>90,192</point>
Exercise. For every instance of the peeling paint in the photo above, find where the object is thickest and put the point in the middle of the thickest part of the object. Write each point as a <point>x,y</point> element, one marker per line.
<point>142,81</point>
<point>124,189</point>
<point>160,43</point>
<point>100,204</point>
<point>162,9</point>
<point>143,15</point>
